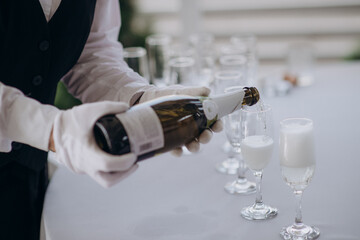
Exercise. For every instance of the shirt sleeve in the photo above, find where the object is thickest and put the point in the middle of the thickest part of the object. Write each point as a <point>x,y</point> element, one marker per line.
<point>24,120</point>
<point>101,73</point>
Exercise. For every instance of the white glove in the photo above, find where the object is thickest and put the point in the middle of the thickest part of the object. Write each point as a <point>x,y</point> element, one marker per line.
<point>76,147</point>
<point>152,92</point>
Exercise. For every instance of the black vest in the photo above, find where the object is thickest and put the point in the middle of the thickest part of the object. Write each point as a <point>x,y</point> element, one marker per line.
<point>36,54</point>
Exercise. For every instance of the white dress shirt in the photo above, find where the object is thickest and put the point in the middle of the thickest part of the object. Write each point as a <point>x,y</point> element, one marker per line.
<point>100,74</point>
<point>49,7</point>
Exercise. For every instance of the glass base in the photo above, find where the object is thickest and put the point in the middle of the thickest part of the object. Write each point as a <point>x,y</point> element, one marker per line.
<point>240,186</point>
<point>259,211</point>
<point>229,166</point>
<point>300,232</point>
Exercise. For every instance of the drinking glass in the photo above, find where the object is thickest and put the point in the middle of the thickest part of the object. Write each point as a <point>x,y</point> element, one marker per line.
<point>247,41</point>
<point>232,49</point>
<point>257,147</point>
<point>203,44</point>
<point>223,80</point>
<point>227,78</point>
<point>297,161</point>
<point>300,63</point>
<point>232,125</point>
<point>136,58</point>
<point>181,50</point>
<point>157,46</point>
<point>234,63</point>
<point>182,71</point>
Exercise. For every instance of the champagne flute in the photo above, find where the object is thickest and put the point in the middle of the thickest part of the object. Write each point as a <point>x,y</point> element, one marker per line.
<point>157,46</point>
<point>232,125</point>
<point>182,71</point>
<point>297,161</point>
<point>203,44</point>
<point>244,40</point>
<point>223,80</point>
<point>256,147</point>
<point>136,58</point>
<point>247,41</point>
<point>235,63</point>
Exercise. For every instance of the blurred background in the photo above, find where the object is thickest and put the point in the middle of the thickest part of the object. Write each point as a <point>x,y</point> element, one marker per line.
<point>331,26</point>
<point>288,34</point>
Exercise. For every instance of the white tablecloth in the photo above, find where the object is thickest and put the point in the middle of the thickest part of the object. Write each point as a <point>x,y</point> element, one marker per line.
<point>170,198</point>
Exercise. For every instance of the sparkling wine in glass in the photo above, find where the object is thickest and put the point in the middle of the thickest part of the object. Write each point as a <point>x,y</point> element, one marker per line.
<point>257,146</point>
<point>297,161</point>
<point>232,124</point>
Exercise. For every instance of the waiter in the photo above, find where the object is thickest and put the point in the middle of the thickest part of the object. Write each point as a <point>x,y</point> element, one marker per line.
<point>41,43</point>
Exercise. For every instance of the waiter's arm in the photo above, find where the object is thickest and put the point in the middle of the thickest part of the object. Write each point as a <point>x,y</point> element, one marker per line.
<point>101,73</point>
<point>24,120</point>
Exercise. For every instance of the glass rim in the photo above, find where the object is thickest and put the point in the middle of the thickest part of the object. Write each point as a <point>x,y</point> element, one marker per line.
<point>204,37</point>
<point>158,39</point>
<point>133,52</point>
<point>182,62</point>
<point>227,74</point>
<point>181,50</point>
<point>235,59</point>
<point>243,36</point>
<point>251,109</point>
<point>308,121</point>
<point>227,50</point>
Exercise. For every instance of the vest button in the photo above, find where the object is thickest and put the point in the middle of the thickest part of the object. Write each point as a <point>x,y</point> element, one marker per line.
<point>37,80</point>
<point>16,146</point>
<point>44,45</point>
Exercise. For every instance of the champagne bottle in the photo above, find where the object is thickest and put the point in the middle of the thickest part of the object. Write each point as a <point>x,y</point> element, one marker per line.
<point>165,123</point>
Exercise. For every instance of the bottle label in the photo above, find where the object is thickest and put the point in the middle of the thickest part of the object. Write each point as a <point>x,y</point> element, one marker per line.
<point>143,128</point>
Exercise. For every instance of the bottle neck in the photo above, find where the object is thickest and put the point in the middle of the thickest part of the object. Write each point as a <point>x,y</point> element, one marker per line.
<point>218,106</point>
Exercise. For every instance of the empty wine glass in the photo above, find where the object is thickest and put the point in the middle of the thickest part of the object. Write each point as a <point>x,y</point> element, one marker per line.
<point>244,40</point>
<point>247,41</point>
<point>223,80</point>
<point>157,46</point>
<point>203,44</point>
<point>257,147</point>
<point>297,161</point>
<point>228,78</point>
<point>300,63</point>
<point>136,58</point>
<point>232,125</point>
<point>235,63</point>
<point>182,71</point>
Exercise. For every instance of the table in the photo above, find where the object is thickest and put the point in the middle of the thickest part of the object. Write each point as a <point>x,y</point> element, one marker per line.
<point>183,198</point>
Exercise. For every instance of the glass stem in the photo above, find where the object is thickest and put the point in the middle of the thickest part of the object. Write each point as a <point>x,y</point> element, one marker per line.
<point>242,166</point>
<point>242,169</point>
<point>258,178</point>
<point>298,217</point>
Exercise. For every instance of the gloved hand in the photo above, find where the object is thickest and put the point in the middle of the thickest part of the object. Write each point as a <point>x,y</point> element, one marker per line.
<point>76,147</point>
<point>155,92</point>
